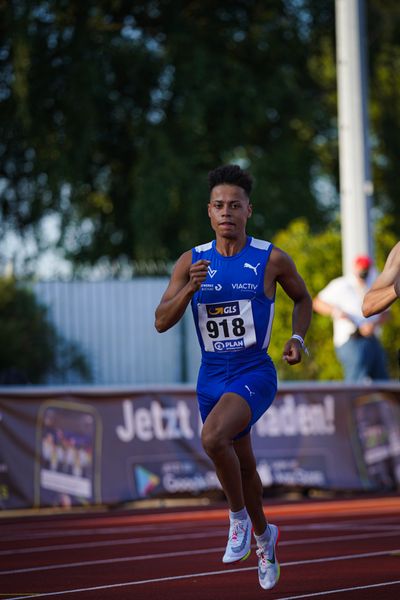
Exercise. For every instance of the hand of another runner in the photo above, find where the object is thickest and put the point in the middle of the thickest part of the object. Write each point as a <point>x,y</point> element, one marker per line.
<point>292,352</point>
<point>198,273</point>
<point>367,329</point>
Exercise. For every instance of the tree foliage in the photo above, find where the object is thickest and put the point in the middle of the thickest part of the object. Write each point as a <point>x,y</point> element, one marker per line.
<point>112,114</point>
<point>30,347</point>
<point>384,90</point>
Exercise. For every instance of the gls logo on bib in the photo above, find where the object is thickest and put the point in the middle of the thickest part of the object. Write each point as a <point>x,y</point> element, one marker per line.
<point>220,310</point>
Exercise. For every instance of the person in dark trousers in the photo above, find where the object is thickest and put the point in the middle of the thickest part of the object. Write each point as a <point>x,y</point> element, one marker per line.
<point>355,338</point>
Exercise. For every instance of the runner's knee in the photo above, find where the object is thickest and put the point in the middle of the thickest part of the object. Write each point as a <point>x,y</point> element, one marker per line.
<point>214,441</point>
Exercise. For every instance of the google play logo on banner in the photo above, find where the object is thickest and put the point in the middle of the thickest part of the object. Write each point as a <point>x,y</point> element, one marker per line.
<point>145,480</point>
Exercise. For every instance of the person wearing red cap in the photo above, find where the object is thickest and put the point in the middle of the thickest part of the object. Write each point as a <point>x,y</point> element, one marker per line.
<point>386,289</point>
<point>357,346</point>
<point>363,263</point>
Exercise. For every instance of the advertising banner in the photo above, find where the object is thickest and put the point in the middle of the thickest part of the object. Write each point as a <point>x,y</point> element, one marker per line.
<point>86,446</point>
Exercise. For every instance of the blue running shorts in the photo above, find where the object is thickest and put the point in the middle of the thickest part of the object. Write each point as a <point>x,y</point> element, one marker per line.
<point>255,382</point>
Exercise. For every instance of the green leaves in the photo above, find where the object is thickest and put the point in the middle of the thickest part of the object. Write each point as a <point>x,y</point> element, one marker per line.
<point>113,113</point>
<point>127,107</point>
<point>30,347</point>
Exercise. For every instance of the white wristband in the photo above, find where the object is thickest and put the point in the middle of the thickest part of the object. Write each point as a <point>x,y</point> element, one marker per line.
<point>298,337</point>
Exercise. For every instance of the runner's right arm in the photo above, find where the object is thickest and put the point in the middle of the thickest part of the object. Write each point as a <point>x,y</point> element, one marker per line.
<point>185,280</point>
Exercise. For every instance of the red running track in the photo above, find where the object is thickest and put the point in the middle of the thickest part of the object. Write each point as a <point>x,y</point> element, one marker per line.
<point>347,549</point>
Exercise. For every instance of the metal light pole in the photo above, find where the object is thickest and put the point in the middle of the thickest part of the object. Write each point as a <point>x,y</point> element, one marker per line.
<point>355,174</point>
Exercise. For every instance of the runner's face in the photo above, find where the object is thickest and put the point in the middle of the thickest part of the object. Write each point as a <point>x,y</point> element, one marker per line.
<point>229,209</point>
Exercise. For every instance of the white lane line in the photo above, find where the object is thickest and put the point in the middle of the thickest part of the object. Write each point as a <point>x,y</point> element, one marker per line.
<point>106,544</point>
<point>42,535</point>
<point>61,532</point>
<point>202,574</point>
<point>181,553</point>
<point>13,532</point>
<point>382,524</point>
<point>341,590</point>
<point>347,524</point>
<point>107,561</point>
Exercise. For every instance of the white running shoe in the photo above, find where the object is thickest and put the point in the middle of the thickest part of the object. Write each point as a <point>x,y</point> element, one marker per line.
<point>268,566</point>
<point>239,540</point>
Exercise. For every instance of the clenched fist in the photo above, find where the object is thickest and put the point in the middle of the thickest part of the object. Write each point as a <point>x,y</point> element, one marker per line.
<point>198,273</point>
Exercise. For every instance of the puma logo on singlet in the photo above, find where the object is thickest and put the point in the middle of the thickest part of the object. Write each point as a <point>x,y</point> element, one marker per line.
<point>249,390</point>
<point>249,266</point>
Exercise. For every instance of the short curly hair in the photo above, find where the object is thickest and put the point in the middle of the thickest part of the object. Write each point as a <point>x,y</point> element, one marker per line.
<point>231,175</point>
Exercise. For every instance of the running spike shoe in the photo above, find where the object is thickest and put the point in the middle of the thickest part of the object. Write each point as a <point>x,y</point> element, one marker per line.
<point>239,540</point>
<point>268,566</point>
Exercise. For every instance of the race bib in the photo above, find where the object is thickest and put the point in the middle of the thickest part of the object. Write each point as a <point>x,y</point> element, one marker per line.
<point>227,326</point>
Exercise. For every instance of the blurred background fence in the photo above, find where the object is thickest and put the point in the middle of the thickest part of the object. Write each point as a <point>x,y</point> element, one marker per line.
<point>112,323</point>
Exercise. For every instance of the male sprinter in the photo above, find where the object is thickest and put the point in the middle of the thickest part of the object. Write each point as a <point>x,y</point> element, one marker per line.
<point>231,283</point>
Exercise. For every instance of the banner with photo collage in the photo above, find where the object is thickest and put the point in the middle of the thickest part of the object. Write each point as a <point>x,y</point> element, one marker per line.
<point>89,446</point>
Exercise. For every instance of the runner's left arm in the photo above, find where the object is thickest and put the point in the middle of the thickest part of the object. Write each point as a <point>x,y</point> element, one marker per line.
<point>293,285</point>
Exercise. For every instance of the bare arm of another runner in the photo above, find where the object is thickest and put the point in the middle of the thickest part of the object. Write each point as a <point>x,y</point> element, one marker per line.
<point>386,287</point>
<point>282,269</point>
<point>185,280</point>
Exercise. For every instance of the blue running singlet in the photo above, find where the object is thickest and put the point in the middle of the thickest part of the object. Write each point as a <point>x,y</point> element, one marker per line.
<point>233,319</point>
<point>232,314</point>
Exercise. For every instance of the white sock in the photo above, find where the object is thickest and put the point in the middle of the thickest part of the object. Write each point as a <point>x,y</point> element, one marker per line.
<point>240,515</point>
<point>263,539</point>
